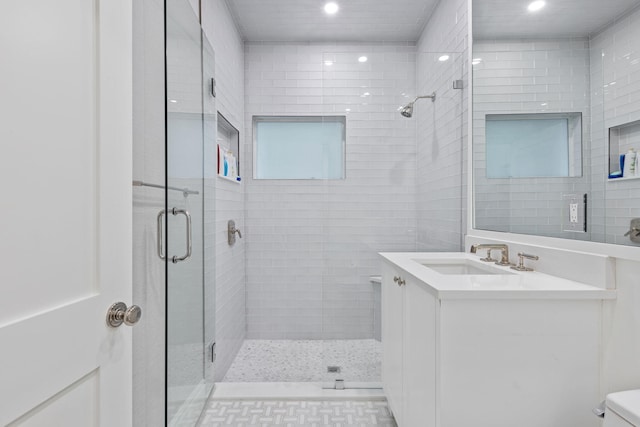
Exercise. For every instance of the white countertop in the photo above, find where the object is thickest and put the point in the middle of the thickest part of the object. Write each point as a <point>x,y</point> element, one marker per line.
<point>512,285</point>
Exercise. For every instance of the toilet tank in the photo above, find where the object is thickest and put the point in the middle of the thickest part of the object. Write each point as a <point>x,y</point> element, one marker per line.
<point>623,409</point>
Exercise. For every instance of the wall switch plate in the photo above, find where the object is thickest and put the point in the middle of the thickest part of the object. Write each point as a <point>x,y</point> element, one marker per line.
<point>574,213</point>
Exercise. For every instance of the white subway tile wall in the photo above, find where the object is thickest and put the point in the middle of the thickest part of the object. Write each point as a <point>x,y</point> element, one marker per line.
<point>615,98</point>
<point>225,265</point>
<point>442,130</point>
<point>529,76</point>
<point>312,245</point>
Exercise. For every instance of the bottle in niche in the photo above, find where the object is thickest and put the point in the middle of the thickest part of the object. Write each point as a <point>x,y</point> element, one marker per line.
<point>630,160</point>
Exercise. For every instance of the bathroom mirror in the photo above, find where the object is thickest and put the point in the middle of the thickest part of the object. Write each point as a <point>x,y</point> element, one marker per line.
<point>549,81</point>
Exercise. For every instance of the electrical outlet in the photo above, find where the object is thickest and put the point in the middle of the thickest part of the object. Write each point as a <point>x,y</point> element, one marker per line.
<point>573,213</point>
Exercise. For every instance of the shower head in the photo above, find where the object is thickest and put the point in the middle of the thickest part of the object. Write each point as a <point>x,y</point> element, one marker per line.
<point>407,110</point>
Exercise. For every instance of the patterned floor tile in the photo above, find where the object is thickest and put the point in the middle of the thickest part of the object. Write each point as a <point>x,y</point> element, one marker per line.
<point>256,413</point>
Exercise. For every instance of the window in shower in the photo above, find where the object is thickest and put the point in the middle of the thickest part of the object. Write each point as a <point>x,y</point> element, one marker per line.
<point>310,147</point>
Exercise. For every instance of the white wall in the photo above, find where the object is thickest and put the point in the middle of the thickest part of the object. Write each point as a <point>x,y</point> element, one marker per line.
<point>225,264</point>
<point>442,130</point>
<point>311,245</point>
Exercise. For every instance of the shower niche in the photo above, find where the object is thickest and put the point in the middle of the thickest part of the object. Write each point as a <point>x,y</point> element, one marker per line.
<point>228,149</point>
<point>622,138</point>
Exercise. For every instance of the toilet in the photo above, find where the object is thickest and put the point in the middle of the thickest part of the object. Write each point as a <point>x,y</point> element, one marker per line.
<point>622,409</point>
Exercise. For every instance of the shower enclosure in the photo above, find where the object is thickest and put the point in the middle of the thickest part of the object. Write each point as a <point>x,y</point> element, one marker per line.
<point>313,303</point>
<point>309,244</point>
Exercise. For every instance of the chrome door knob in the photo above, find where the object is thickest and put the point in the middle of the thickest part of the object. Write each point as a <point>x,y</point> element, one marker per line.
<point>118,314</point>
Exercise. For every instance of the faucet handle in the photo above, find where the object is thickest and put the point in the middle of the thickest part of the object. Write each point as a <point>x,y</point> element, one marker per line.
<point>521,266</point>
<point>488,257</point>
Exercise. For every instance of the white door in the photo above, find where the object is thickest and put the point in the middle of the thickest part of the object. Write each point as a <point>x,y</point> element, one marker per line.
<point>65,222</point>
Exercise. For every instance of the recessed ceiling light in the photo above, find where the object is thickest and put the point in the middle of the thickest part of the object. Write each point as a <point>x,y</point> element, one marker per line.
<point>363,59</point>
<point>347,109</point>
<point>331,8</point>
<point>536,5</point>
<point>173,101</point>
<point>328,63</point>
<point>544,104</point>
<point>443,58</point>
<point>476,61</point>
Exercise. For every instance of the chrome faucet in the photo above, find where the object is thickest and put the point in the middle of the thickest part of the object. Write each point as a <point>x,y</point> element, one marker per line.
<point>504,249</point>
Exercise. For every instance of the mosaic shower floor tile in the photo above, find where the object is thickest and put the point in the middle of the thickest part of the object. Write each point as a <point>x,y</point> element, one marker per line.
<point>306,361</point>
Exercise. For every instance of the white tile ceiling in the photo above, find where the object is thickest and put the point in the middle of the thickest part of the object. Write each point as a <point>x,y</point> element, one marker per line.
<point>357,20</point>
<point>559,18</point>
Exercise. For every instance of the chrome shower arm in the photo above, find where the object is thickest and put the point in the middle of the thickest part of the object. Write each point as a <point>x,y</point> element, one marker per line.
<point>432,96</point>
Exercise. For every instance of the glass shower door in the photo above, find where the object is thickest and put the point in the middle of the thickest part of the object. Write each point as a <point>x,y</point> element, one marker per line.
<point>182,221</point>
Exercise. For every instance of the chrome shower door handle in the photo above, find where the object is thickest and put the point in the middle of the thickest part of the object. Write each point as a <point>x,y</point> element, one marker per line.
<point>160,240</point>
<point>176,259</point>
<point>174,211</point>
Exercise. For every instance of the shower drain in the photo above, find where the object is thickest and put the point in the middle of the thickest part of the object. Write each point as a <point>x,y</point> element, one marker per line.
<point>333,369</point>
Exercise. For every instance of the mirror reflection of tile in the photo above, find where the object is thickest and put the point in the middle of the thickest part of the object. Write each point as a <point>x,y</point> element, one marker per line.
<point>590,69</point>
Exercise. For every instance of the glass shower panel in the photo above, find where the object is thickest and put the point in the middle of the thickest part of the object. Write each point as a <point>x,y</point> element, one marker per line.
<point>183,218</point>
<point>375,207</point>
<point>210,168</point>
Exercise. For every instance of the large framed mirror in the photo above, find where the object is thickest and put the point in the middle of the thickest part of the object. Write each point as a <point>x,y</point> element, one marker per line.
<point>553,84</point>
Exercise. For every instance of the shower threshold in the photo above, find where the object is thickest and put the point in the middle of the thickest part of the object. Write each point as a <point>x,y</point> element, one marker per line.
<point>295,390</point>
<point>339,384</point>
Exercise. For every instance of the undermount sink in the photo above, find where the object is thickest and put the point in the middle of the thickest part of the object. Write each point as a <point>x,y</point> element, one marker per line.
<point>460,267</point>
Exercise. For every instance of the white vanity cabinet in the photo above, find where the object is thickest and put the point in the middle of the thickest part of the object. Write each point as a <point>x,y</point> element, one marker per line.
<point>408,338</point>
<point>494,351</point>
